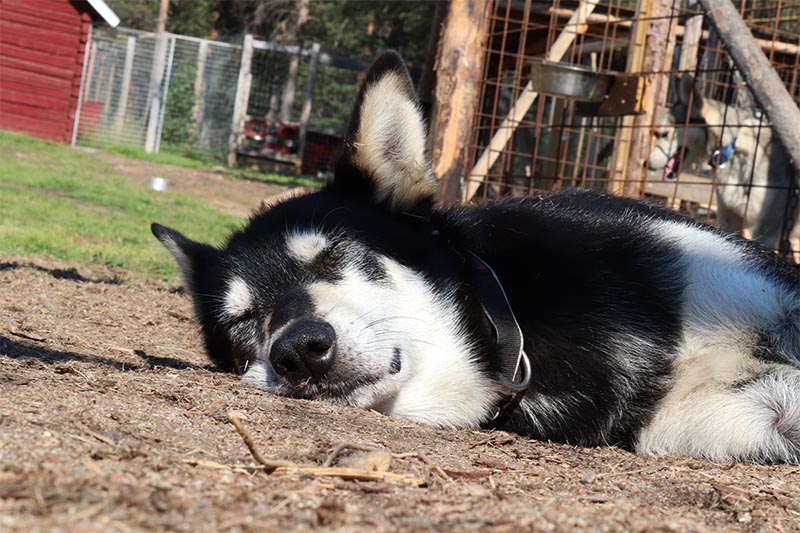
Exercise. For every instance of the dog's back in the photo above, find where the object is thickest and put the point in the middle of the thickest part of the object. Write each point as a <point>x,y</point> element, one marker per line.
<point>646,329</point>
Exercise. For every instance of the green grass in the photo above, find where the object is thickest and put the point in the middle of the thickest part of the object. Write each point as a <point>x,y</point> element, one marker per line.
<point>63,203</point>
<point>172,155</point>
<point>272,177</point>
<point>164,157</point>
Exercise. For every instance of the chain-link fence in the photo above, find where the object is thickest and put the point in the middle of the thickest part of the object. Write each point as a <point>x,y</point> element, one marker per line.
<point>277,127</point>
<point>202,93</point>
<point>197,91</point>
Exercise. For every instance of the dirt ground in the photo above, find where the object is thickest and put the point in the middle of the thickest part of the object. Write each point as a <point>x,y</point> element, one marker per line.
<point>111,419</point>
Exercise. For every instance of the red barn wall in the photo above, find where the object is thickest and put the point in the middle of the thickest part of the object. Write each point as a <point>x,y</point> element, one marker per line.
<point>42,45</point>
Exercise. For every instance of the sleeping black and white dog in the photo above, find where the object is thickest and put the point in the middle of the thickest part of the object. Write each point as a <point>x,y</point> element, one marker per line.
<point>576,317</point>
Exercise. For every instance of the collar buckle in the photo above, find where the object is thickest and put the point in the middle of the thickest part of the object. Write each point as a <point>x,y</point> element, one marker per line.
<point>521,386</point>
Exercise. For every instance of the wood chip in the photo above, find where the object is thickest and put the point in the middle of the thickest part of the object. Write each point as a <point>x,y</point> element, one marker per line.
<point>374,461</point>
<point>28,336</point>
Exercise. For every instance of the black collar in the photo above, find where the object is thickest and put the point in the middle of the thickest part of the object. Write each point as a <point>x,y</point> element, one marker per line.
<point>509,343</point>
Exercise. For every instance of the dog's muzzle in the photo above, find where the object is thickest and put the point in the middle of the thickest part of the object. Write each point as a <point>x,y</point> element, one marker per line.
<point>305,351</point>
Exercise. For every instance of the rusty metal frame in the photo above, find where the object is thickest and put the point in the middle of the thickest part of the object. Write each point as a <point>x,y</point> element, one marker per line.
<point>525,143</point>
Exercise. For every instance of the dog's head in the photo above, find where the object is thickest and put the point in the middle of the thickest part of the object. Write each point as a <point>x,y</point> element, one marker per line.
<point>680,131</point>
<point>347,293</point>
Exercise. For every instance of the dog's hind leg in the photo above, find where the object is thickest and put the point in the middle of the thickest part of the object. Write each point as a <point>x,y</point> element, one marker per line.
<point>753,418</point>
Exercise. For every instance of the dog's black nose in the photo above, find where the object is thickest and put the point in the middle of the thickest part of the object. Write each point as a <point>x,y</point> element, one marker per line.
<point>305,350</point>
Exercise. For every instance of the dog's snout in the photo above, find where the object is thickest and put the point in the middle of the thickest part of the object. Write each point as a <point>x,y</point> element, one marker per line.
<point>305,350</point>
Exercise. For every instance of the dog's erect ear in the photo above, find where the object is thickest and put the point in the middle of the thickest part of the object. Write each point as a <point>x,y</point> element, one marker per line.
<point>189,254</point>
<point>688,93</point>
<point>385,152</point>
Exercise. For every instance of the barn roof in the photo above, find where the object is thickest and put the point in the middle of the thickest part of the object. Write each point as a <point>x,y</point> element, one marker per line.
<point>105,12</point>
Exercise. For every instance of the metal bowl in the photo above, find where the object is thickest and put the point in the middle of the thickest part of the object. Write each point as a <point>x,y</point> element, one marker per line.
<point>578,83</point>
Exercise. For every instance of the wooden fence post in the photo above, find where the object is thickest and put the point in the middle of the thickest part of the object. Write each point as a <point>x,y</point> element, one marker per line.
<point>305,114</point>
<point>199,80</point>
<point>76,120</point>
<point>157,76</point>
<point>624,138</point>
<point>242,98</point>
<point>457,95</point>
<point>90,71</point>
<point>119,117</point>
<point>657,48</point>
<point>156,82</point>
<point>165,95</point>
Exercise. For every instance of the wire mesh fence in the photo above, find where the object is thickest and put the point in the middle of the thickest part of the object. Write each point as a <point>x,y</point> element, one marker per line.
<point>637,98</point>
<point>197,91</point>
<point>282,128</point>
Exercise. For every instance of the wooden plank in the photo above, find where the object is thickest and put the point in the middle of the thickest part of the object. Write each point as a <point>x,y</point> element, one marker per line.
<point>199,80</point>
<point>52,5</point>
<point>46,7</point>
<point>90,70</point>
<point>690,47</point>
<point>691,188</point>
<point>45,129</point>
<point>658,50</point>
<point>156,78</point>
<point>21,91</point>
<point>623,140</point>
<point>34,56</point>
<point>82,59</point>
<point>41,18</point>
<point>8,64</point>
<point>46,47</point>
<point>36,80</point>
<point>242,96</point>
<point>24,109</point>
<point>21,33</point>
<point>308,92</point>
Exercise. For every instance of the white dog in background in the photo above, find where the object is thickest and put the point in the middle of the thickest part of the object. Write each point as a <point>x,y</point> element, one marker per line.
<point>755,177</point>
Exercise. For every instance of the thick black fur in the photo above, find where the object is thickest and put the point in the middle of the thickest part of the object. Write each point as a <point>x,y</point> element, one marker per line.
<point>580,268</point>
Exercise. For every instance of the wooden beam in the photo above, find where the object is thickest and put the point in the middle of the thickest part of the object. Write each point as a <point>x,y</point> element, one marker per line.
<point>761,77</point>
<point>242,98</point>
<point>199,79</point>
<point>657,51</point>
<point>76,120</point>
<point>780,47</point>
<point>459,71</point>
<point>574,27</point>
<point>127,73</point>
<point>157,78</point>
<point>165,93</point>
<point>690,47</point>
<point>90,70</point>
<point>690,187</point>
<point>305,113</point>
<point>623,141</point>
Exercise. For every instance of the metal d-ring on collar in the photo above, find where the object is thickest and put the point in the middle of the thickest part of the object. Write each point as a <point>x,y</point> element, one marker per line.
<point>509,346</point>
